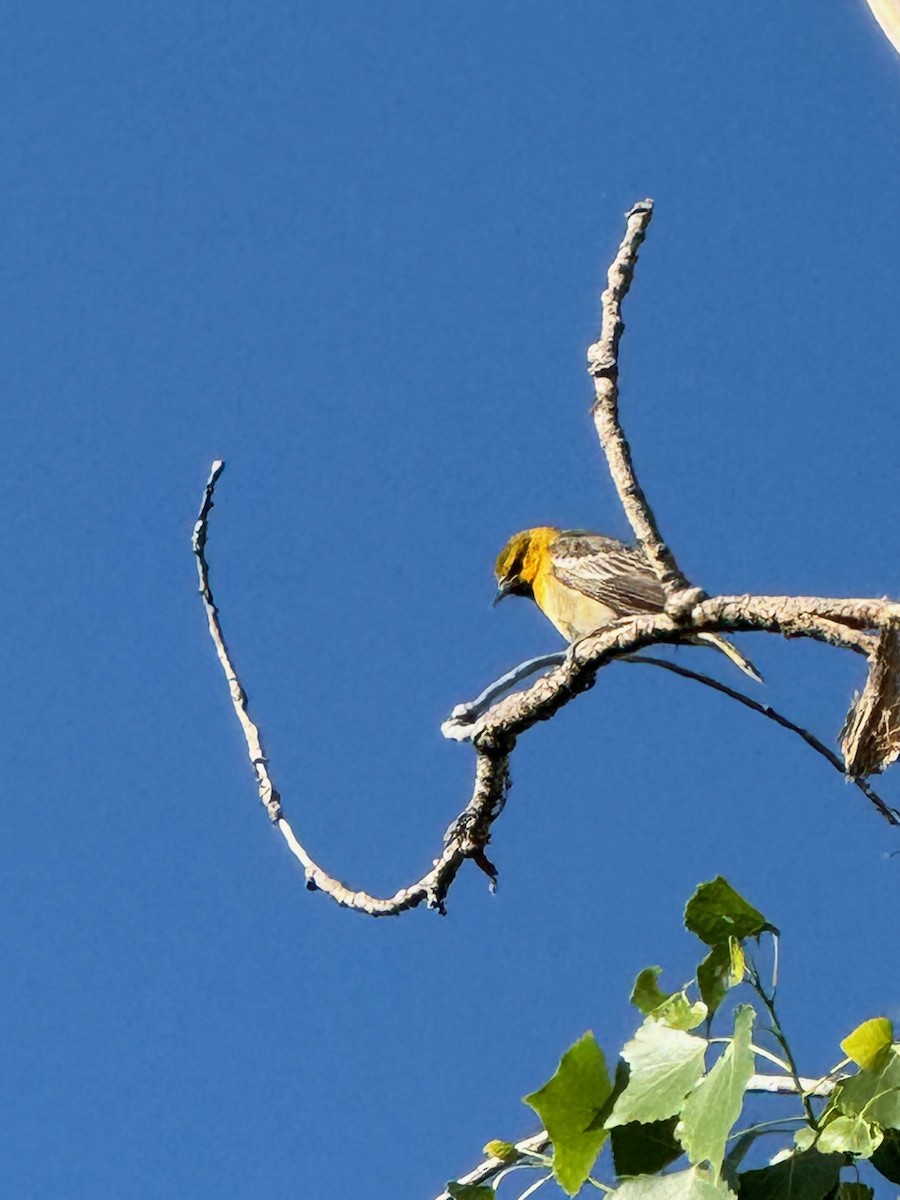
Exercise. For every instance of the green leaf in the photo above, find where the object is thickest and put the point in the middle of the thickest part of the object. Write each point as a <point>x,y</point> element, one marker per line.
<point>664,1065</point>
<point>644,1149</point>
<point>647,995</point>
<point>567,1104</point>
<point>851,1190</point>
<point>471,1191</point>
<point>850,1135</point>
<point>716,1102</point>
<point>721,970</point>
<point>806,1176</point>
<point>717,912</point>
<point>693,1184</point>
<point>673,1008</point>
<point>868,1042</point>
<point>885,1109</point>
<point>805,1137</point>
<point>679,1013</point>
<point>886,1158</point>
<point>505,1151</point>
<point>872,1093</point>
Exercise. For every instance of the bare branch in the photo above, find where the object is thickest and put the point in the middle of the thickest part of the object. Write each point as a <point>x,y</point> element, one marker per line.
<point>466,838</point>
<point>458,726</point>
<point>603,366</point>
<point>891,815</point>
<point>814,617</point>
<point>268,793</point>
<point>838,622</point>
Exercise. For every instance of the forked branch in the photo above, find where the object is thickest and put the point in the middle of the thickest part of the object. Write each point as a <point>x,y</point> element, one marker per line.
<point>860,625</point>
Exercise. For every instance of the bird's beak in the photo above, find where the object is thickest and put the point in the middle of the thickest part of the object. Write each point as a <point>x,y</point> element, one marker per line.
<point>505,589</point>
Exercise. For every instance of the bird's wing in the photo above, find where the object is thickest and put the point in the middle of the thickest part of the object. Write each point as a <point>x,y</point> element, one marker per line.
<point>607,570</point>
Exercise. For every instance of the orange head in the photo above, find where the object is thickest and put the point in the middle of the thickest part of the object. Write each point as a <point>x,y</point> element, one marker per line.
<point>520,560</point>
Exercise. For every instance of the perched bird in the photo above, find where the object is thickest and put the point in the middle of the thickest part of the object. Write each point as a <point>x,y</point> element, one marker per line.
<point>585,581</point>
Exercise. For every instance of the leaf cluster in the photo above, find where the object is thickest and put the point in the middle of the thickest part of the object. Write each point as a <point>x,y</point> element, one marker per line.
<point>669,1114</point>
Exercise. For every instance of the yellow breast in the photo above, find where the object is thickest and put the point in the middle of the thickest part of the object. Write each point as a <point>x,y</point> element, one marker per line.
<point>574,614</point>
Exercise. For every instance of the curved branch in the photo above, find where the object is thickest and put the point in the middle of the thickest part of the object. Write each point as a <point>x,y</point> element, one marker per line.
<point>838,622</point>
<point>821,620</point>
<point>493,734</point>
<point>466,838</point>
<point>458,725</point>
<point>268,793</point>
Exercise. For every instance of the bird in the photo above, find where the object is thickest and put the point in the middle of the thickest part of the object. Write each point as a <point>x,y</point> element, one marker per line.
<point>583,581</point>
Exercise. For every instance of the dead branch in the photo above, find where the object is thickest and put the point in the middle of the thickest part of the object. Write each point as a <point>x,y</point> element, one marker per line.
<point>603,366</point>
<point>268,793</point>
<point>891,815</point>
<point>458,726</point>
<point>465,838</point>
<point>849,623</point>
<point>812,617</point>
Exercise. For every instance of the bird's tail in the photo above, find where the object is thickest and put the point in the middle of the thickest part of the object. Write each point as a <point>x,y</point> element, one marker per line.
<point>730,651</point>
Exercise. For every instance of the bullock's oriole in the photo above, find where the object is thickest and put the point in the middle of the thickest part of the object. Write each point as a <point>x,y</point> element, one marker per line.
<point>584,581</point>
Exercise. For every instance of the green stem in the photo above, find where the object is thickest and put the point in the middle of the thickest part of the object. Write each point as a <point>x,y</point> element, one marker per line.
<point>779,1035</point>
<point>773,1058</point>
<point>766,1127</point>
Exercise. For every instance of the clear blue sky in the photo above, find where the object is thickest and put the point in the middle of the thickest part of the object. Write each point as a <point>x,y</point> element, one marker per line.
<point>356,250</point>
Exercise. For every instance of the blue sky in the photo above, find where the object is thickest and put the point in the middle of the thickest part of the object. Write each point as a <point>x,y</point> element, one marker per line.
<point>356,251</point>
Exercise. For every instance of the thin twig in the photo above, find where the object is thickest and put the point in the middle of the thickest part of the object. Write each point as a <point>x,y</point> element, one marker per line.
<point>890,814</point>
<point>603,366</point>
<point>466,838</point>
<point>459,725</point>
<point>800,1084</point>
<point>268,793</point>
